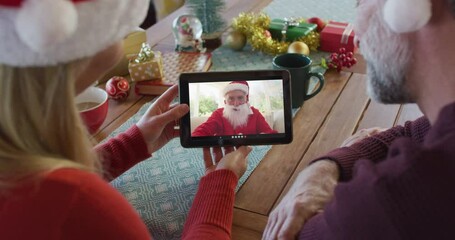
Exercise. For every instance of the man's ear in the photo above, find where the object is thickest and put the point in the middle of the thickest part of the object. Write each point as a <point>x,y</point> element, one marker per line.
<point>403,16</point>
<point>224,101</point>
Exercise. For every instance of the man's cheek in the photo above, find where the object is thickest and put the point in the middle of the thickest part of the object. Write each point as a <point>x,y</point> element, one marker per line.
<point>364,14</point>
<point>361,24</point>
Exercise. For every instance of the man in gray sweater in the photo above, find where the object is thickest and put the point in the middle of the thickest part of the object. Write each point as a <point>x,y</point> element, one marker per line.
<point>392,184</point>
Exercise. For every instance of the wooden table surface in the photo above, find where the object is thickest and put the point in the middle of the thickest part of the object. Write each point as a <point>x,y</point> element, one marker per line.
<point>323,122</point>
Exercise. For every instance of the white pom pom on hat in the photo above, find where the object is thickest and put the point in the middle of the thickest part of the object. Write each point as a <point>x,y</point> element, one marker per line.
<point>42,24</point>
<point>42,33</point>
<point>404,16</point>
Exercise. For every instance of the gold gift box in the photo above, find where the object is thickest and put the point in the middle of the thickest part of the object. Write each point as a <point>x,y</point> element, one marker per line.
<point>148,70</point>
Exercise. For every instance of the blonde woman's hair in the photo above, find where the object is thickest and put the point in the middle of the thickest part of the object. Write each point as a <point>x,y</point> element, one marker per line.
<point>40,127</point>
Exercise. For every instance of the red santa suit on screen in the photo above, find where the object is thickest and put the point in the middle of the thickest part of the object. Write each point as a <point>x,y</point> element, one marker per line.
<point>236,118</point>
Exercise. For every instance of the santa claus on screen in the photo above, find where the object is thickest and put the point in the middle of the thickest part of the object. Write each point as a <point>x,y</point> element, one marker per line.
<point>237,117</point>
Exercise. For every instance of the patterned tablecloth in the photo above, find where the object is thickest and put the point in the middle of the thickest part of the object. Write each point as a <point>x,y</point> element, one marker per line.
<point>162,188</point>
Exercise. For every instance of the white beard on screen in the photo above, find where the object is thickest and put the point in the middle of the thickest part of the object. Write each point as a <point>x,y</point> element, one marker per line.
<point>237,116</point>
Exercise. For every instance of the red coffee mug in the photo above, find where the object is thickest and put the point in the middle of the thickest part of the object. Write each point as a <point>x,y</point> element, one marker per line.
<point>93,105</point>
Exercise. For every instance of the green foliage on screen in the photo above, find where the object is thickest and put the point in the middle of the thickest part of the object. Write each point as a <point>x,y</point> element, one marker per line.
<point>207,105</point>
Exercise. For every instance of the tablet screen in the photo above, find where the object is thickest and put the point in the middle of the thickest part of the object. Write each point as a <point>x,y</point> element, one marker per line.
<point>236,108</point>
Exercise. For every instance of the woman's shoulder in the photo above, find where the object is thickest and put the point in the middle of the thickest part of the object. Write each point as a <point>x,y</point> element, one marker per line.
<point>81,191</point>
<point>70,182</point>
<point>72,177</point>
<point>57,191</point>
<point>80,183</point>
<point>68,198</point>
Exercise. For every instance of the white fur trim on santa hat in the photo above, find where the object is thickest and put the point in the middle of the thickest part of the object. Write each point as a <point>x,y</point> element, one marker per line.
<point>404,16</point>
<point>236,86</point>
<point>100,23</point>
<point>41,24</point>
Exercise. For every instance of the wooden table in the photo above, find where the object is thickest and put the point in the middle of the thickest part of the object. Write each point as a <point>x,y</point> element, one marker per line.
<point>339,110</point>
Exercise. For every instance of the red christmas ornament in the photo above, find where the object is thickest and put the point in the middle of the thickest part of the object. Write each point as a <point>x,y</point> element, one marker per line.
<point>118,88</point>
<point>319,22</point>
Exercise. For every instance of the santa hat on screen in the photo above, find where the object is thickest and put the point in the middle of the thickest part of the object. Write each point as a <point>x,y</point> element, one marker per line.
<point>48,32</point>
<point>404,16</point>
<point>237,85</point>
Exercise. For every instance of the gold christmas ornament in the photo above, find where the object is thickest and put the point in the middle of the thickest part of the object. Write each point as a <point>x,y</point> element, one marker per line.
<point>236,40</point>
<point>253,26</point>
<point>299,47</point>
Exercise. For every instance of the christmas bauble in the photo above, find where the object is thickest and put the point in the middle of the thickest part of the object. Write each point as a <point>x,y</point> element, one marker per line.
<point>319,22</point>
<point>236,40</point>
<point>299,47</point>
<point>118,88</point>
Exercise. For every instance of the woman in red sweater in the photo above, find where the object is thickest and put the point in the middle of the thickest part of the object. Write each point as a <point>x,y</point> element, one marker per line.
<point>51,177</point>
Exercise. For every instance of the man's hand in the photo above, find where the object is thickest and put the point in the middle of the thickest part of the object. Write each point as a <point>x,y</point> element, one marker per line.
<point>360,135</point>
<point>235,161</point>
<point>312,189</point>
<point>157,124</point>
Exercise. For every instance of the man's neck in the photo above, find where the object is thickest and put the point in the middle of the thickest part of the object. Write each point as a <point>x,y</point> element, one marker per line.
<point>433,74</point>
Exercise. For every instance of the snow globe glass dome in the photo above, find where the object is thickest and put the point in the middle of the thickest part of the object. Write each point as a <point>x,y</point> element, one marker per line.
<point>187,30</point>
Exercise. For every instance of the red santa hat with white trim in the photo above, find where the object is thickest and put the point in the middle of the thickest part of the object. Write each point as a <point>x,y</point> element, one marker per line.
<point>48,32</point>
<point>237,85</point>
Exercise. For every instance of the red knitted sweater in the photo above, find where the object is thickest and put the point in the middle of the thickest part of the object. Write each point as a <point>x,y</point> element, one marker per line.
<point>394,185</point>
<point>73,204</point>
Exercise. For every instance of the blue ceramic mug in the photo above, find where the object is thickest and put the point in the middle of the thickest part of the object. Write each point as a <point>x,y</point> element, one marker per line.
<point>299,66</point>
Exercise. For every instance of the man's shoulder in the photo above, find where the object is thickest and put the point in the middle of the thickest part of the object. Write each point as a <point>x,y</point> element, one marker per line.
<point>255,110</point>
<point>218,111</point>
<point>409,180</point>
<point>407,159</point>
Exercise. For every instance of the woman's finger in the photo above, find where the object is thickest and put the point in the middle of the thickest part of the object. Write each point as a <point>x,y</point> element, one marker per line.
<point>217,154</point>
<point>172,114</point>
<point>168,96</point>
<point>208,161</point>
<point>228,150</point>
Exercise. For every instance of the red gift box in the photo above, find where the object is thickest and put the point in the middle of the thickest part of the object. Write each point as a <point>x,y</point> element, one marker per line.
<point>336,35</point>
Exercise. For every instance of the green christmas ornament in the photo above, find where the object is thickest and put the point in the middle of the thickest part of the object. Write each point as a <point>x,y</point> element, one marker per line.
<point>236,40</point>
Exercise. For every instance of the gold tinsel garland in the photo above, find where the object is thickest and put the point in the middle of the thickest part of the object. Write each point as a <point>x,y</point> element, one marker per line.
<point>254,27</point>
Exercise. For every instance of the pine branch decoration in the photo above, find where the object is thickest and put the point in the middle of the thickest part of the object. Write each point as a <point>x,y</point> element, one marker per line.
<point>209,12</point>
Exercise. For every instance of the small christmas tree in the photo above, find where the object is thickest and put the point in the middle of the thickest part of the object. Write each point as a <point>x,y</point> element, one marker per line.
<point>209,12</point>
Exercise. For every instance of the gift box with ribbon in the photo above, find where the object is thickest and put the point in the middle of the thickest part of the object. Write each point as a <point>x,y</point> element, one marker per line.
<point>336,35</point>
<point>147,65</point>
<point>290,30</point>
